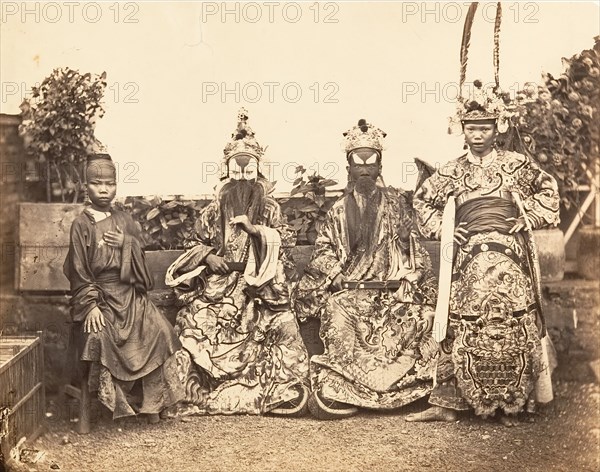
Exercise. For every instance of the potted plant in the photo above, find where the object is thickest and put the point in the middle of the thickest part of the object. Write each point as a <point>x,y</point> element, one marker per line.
<point>305,211</point>
<point>57,130</point>
<point>58,124</point>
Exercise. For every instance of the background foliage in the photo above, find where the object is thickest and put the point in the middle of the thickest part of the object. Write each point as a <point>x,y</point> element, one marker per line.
<point>169,224</point>
<point>165,224</point>
<point>307,206</point>
<point>58,128</point>
<point>559,122</point>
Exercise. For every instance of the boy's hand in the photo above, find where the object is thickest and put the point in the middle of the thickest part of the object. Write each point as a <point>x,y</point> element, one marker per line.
<point>114,238</point>
<point>94,321</point>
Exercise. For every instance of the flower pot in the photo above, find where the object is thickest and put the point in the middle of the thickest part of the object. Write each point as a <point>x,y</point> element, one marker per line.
<point>551,252</point>
<point>588,253</point>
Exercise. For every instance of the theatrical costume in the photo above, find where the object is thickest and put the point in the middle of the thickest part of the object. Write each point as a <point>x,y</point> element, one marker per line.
<point>495,352</point>
<point>242,350</point>
<point>376,331</point>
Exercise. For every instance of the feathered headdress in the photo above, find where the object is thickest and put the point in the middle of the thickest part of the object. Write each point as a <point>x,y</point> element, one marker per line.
<point>480,103</point>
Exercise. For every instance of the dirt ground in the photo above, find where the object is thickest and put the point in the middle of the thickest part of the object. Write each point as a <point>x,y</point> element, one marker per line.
<point>564,436</point>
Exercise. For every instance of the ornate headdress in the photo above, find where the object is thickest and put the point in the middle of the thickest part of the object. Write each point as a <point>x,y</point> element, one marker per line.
<point>242,142</point>
<point>480,103</point>
<point>363,135</point>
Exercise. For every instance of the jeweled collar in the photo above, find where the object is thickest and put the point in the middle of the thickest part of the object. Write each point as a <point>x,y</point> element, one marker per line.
<point>484,161</point>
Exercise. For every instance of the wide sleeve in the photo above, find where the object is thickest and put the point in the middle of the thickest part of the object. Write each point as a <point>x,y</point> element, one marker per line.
<point>311,292</point>
<point>183,272</point>
<point>276,220</point>
<point>267,244</point>
<point>325,261</point>
<point>429,201</point>
<point>134,269</point>
<point>85,292</point>
<point>541,199</point>
<point>263,260</point>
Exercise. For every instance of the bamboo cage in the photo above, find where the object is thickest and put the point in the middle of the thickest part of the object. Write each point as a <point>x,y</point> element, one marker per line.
<point>22,396</point>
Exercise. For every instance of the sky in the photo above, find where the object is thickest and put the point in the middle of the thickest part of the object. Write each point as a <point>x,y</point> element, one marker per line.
<point>178,72</point>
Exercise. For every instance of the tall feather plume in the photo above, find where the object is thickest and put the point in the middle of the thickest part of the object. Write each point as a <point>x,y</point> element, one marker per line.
<point>464,45</point>
<point>497,44</point>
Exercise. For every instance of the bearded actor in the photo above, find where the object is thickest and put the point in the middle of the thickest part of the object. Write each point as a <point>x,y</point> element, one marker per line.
<point>371,284</point>
<point>242,351</point>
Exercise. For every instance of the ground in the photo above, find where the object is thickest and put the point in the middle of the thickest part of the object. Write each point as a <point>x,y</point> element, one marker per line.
<point>564,436</point>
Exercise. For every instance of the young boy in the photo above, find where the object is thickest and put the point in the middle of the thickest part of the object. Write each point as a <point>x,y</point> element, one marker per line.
<point>123,339</point>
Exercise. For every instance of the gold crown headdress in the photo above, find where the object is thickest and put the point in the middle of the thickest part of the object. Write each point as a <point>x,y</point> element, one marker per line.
<point>481,103</point>
<point>363,135</point>
<point>242,141</point>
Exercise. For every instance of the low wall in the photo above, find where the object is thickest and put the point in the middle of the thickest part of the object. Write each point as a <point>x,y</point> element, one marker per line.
<point>570,307</point>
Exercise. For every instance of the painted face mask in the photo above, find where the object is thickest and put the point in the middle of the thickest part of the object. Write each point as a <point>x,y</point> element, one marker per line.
<point>364,163</point>
<point>243,167</point>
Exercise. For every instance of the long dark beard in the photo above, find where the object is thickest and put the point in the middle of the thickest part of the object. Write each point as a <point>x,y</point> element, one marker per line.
<point>362,227</point>
<point>366,187</point>
<point>242,197</point>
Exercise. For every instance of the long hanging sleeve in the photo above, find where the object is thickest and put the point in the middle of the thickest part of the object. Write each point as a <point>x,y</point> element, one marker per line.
<point>440,321</point>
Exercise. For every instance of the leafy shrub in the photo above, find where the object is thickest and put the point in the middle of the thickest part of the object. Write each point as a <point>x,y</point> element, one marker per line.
<point>169,224</point>
<point>165,224</point>
<point>58,128</point>
<point>559,122</point>
<point>307,206</point>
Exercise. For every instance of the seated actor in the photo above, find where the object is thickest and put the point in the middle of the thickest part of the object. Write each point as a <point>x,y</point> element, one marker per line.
<point>128,346</point>
<point>370,282</point>
<point>242,350</point>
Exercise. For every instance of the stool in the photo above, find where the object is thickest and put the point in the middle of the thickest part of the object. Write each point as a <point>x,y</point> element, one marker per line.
<point>79,388</point>
<point>83,395</point>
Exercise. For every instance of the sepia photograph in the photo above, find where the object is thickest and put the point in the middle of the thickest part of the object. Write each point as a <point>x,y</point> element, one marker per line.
<point>299,236</point>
